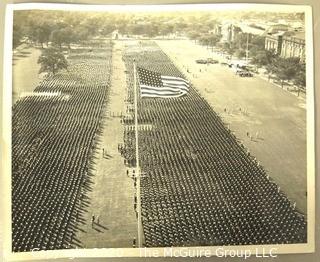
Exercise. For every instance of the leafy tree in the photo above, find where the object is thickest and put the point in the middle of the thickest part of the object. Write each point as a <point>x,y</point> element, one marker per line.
<point>287,68</point>
<point>56,37</point>
<point>180,25</point>
<point>43,32</point>
<point>70,19</point>
<point>16,37</point>
<point>256,43</point>
<point>213,39</point>
<point>151,30</point>
<point>240,53</point>
<point>211,22</point>
<point>229,49</point>
<point>80,33</point>
<point>93,24</point>
<point>272,68</point>
<point>123,24</point>
<point>51,61</point>
<point>108,28</point>
<point>209,40</point>
<point>193,35</point>
<point>203,40</point>
<point>62,36</point>
<point>31,31</point>
<point>263,58</point>
<point>20,28</point>
<point>240,41</point>
<point>136,29</point>
<point>166,29</point>
<point>202,29</point>
<point>300,78</point>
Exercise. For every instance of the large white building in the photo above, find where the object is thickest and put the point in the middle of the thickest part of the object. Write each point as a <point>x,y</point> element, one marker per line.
<point>294,46</point>
<point>287,44</point>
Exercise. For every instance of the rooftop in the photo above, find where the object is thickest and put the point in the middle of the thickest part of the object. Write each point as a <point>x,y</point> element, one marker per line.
<point>299,35</point>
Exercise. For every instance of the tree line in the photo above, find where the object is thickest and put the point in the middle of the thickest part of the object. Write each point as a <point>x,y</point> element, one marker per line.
<point>63,28</point>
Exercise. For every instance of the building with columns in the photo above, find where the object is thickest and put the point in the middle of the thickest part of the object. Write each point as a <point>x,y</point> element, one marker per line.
<point>274,42</point>
<point>227,30</point>
<point>294,46</point>
<point>287,44</point>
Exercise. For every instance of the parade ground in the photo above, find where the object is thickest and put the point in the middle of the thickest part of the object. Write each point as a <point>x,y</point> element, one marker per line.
<point>268,120</point>
<point>25,70</point>
<point>112,195</point>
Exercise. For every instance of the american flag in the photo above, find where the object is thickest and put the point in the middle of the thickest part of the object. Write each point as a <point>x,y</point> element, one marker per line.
<point>153,84</point>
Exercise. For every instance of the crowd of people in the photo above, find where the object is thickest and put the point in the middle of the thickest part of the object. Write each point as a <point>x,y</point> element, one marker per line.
<point>201,186</point>
<point>53,141</point>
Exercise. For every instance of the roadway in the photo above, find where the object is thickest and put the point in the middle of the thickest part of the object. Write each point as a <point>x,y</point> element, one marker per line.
<point>112,193</point>
<point>25,70</point>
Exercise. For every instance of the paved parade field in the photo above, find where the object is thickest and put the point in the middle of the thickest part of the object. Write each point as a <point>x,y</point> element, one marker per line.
<point>25,70</point>
<point>112,195</point>
<point>273,117</point>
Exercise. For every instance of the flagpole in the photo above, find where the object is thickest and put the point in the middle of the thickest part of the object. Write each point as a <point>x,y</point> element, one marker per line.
<point>247,50</point>
<point>137,154</point>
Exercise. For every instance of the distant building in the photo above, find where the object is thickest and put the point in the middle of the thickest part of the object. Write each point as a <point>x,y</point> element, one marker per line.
<point>230,30</point>
<point>287,44</point>
<point>252,29</point>
<point>217,29</point>
<point>275,28</point>
<point>115,34</point>
<point>297,26</point>
<point>280,37</point>
<point>294,46</point>
<point>274,35</point>
<point>274,42</point>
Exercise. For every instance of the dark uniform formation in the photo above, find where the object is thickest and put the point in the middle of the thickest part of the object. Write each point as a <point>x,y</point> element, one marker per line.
<point>200,186</point>
<point>53,141</point>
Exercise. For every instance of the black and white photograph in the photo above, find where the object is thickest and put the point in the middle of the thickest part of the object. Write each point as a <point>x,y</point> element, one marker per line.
<point>155,127</point>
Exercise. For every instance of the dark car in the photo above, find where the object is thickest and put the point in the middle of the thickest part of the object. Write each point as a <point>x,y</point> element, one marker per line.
<point>201,61</point>
<point>245,74</point>
<point>212,61</point>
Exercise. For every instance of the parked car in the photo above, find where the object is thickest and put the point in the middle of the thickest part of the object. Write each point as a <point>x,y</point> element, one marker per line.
<point>212,61</point>
<point>243,67</point>
<point>201,61</point>
<point>245,74</point>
